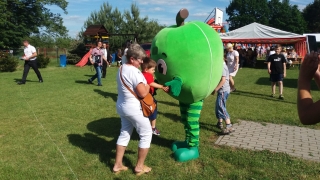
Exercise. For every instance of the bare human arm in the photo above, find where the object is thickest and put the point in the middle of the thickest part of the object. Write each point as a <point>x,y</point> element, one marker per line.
<point>142,90</point>
<point>90,58</point>
<point>308,111</point>
<point>269,70</point>
<point>284,70</point>
<point>159,86</point>
<point>237,62</point>
<point>221,83</point>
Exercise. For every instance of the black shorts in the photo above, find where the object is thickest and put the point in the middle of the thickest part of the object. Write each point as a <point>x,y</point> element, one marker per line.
<point>276,77</point>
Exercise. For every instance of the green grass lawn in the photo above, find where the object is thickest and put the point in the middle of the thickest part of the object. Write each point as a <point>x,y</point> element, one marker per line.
<point>66,115</point>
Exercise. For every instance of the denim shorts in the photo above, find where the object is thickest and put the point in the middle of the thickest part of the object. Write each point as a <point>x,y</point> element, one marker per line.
<point>276,77</point>
<point>221,106</point>
<point>153,116</point>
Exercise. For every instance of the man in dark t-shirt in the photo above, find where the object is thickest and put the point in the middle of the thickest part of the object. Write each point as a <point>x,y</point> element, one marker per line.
<point>277,70</point>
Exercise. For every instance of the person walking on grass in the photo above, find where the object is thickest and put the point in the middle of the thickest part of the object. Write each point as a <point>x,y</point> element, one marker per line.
<point>308,109</point>
<point>233,64</point>
<point>30,60</point>
<point>96,58</point>
<point>129,108</point>
<point>148,68</point>
<point>106,54</point>
<point>223,90</point>
<point>277,71</point>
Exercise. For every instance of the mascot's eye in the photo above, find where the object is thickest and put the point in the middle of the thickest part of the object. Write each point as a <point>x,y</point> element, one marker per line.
<point>162,67</point>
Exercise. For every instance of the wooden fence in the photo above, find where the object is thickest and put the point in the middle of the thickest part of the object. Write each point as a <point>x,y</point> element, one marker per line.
<point>52,52</point>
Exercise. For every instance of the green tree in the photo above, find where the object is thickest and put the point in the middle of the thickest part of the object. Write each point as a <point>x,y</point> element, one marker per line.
<point>22,18</point>
<point>312,16</point>
<point>128,22</point>
<point>286,17</point>
<point>244,12</point>
<point>274,13</point>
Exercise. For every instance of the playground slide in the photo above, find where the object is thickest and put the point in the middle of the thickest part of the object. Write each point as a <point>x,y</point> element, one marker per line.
<point>84,59</point>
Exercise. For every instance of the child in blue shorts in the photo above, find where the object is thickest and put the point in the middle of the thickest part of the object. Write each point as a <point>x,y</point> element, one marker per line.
<point>148,68</point>
<point>223,90</point>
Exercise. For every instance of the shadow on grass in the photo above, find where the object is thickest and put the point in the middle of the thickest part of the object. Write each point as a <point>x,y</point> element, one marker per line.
<point>173,117</point>
<point>210,127</point>
<point>93,143</point>
<point>87,75</point>
<point>107,94</point>
<point>18,80</point>
<point>168,103</point>
<point>260,96</point>
<point>287,83</point>
<point>81,81</point>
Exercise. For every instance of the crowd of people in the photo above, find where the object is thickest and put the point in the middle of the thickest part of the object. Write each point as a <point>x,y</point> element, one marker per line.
<point>135,79</point>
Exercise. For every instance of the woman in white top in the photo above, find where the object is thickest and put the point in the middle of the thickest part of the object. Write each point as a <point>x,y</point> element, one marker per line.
<point>233,64</point>
<point>129,109</point>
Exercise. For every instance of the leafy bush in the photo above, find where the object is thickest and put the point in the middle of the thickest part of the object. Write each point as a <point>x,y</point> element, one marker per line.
<point>73,58</point>
<point>8,63</point>
<point>42,61</point>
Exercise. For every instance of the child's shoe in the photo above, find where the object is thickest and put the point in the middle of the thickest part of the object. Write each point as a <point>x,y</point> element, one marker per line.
<point>219,125</point>
<point>281,97</point>
<point>155,131</point>
<point>228,130</point>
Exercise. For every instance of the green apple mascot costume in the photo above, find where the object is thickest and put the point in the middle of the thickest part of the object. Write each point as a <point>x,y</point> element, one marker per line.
<point>189,61</point>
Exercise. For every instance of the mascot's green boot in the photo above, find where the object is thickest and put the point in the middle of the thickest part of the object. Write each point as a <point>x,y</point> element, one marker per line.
<point>189,61</point>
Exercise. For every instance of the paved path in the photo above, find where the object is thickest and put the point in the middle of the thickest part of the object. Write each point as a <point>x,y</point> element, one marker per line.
<point>295,141</point>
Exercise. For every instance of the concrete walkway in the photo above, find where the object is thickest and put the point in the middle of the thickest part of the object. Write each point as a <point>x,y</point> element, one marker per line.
<point>295,141</point>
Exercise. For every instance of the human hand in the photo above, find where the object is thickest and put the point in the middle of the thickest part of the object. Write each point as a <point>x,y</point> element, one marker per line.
<point>26,58</point>
<point>236,67</point>
<point>309,66</point>
<point>165,89</point>
<point>284,75</point>
<point>269,71</point>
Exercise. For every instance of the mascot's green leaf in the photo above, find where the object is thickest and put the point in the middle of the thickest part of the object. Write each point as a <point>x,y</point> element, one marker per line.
<point>175,86</point>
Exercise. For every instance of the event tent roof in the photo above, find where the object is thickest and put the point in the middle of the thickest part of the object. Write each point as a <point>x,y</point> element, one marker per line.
<point>258,33</point>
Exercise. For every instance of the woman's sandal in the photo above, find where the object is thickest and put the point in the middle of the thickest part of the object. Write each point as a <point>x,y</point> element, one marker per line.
<point>123,168</point>
<point>145,170</point>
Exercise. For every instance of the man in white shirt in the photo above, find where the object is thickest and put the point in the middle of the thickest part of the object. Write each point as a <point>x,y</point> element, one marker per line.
<point>30,56</point>
<point>107,55</point>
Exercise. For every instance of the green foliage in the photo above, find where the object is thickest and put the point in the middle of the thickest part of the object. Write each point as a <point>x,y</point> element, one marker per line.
<point>73,58</point>
<point>8,63</point>
<point>312,16</point>
<point>128,22</point>
<point>76,52</point>
<point>274,13</point>
<point>47,41</point>
<point>244,12</point>
<point>42,61</point>
<point>21,18</point>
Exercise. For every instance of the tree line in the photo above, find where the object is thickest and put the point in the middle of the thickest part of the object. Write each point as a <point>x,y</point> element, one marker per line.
<point>126,22</point>
<point>33,20</point>
<point>274,13</point>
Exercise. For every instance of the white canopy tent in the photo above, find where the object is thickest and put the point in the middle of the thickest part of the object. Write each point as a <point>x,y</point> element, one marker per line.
<point>256,33</point>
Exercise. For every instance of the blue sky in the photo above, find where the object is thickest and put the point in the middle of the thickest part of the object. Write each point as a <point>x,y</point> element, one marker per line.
<point>164,11</point>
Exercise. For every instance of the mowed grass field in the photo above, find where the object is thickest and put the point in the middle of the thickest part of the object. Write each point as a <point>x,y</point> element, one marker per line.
<point>65,128</point>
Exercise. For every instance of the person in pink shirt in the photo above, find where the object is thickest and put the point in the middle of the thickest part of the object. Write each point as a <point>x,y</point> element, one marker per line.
<point>97,58</point>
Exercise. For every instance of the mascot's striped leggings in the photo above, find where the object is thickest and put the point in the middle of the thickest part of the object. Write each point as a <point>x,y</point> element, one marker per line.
<point>190,114</point>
